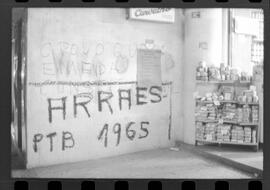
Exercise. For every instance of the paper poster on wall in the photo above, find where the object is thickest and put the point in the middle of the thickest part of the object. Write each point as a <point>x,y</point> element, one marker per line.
<point>149,67</point>
<point>153,14</point>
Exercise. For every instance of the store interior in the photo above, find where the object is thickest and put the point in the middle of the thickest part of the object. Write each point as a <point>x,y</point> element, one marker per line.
<point>209,76</point>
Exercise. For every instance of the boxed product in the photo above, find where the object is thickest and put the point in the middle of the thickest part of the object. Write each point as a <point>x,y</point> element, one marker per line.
<point>237,134</point>
<point>246,114</point>
<point>239,115</point>
<point>201,112</point>
<point>247,134</point>
<point>210,132</point>
<point>254,138</point>
<point>201,71</point>
<point>255,114</point>
<point>234,74</point>
<point>229,112</point>
<point>223,132</point>
<point>213,73</point>
<point>199,131</point>
<point>227,92</point>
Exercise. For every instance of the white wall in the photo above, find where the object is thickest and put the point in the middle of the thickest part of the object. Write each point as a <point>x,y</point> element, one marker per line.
<point>97,36</point>
<point>201,26</point>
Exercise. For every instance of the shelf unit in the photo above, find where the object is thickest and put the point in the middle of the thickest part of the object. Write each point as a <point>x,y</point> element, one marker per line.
<point>252,125</point>
<point>222,82</point>
<point>227,142</point>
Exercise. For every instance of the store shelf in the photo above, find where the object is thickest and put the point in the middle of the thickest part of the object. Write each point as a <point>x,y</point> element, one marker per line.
<point>224,82</point>
<point>249,124</point>
<point>204,102</point>
<point>215,82</point>
<point>244,82</point>
<point>252,103</point>
<point>207,120</point>
<point>226,121</point>
<point>224,142</point>
<point>230,122</point>
<point>228,101</point>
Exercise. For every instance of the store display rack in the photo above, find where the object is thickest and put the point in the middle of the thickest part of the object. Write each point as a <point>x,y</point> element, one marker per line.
<point>255,126</point>
<point>255,145</point>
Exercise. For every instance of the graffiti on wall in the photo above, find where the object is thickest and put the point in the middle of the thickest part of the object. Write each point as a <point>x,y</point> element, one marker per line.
<point>67,59</point>
<point>109,102</point>
<point>75,89</point>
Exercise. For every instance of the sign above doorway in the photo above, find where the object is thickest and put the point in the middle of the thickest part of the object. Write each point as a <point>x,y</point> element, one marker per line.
<point>153,14</point>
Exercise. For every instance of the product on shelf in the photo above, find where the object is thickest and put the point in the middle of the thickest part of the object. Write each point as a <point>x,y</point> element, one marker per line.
<point>206,112</point>
<point>234,74</point>
<point>223,132</point>
<point>254,138</point>
<point>227,92</point>
<point>248,96</point>
<point>245,77</point>
<point>211,112</point>
<point>247,134</point>
<point>246,114</point>
<point>227,73</point>
<point>255,114</point>
<point>239,115</point>
<point>213,73</point>
<point>221,73</point>
<point>229,112</point>
<point>210,132</point>
<point>237,134</point>
<point>201,113</point>
<point>199,131</point>
<point>201,73</point>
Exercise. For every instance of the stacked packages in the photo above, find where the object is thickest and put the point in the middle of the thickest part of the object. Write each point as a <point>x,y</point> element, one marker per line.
<point>223,132</point>
<point>255,114</point>
<point>237,134</point>
<point>199,131</point>
<point>239,115</point>
<point>247,132</point>
<point>206,112</point>
<point>253,136</point>
<point>201,113</point>
<point>211,112</point>
<point>210,131</point>
<point>246,114</point>
<point>229,112</point>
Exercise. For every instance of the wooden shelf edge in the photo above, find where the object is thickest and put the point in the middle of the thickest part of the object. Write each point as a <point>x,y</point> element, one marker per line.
<point>228,101</point>
<point>223,142</point>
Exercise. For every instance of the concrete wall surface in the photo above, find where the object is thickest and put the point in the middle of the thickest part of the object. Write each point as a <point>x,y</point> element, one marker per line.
<point>203,42</point>
<point>71,116</point>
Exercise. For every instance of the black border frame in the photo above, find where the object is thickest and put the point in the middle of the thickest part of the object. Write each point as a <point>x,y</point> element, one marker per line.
<point>6,182</point>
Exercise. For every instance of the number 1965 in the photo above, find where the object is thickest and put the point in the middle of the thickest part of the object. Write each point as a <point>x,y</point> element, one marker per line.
<point>130,133</point>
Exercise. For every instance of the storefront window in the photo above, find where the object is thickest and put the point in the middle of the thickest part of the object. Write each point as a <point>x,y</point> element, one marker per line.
<point>246,39</point>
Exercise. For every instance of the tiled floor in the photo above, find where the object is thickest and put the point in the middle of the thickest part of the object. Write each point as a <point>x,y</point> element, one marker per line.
<point>160,163</point>
<point>244,155</point>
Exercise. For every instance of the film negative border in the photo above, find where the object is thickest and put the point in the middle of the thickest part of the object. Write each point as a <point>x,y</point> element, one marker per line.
<point>5,55</point>
<point>138,3</point>
<point>140,184</point>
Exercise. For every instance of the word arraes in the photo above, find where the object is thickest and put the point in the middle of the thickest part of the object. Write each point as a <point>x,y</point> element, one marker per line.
<point>81,101</point>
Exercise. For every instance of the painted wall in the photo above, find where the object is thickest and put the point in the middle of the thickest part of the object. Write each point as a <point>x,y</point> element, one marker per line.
<point>203,41</point>
<point>73,113</point>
